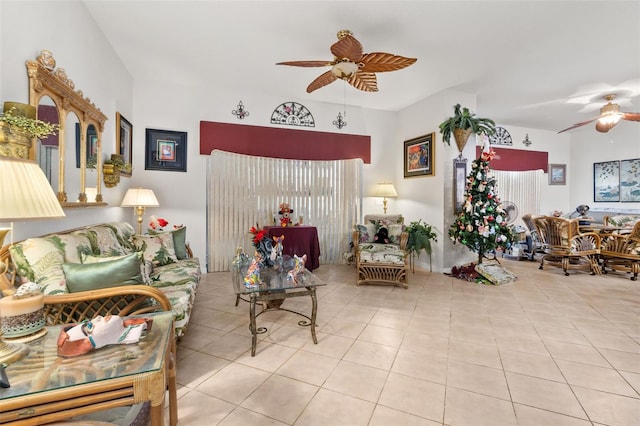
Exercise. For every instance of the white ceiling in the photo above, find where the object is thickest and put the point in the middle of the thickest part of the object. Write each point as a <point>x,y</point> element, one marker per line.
<point>538,64</point>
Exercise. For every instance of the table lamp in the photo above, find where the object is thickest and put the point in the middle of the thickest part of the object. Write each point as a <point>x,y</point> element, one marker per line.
<point>25,194</point>
<point>385,189</point>
<point>139,198</point>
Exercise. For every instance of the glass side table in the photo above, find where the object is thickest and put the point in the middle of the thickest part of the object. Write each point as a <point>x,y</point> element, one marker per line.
<point>275,286</point>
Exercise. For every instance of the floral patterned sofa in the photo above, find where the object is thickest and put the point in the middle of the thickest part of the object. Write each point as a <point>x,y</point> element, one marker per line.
<point>624,221</point>
<point>379,263</point>
<point>108,256</point>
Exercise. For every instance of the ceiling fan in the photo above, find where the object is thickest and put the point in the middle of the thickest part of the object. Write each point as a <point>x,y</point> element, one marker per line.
<point>609,116</point>
<point>352,65</point>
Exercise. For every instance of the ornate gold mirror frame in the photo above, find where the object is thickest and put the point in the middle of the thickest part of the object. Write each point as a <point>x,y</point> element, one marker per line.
<point>46,80</point>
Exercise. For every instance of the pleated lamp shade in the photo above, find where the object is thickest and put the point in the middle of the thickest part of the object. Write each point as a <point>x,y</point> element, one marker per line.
<point>25,192</point>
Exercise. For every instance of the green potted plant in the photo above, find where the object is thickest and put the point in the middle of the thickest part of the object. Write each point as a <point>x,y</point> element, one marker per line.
<point>31,126</point>
<point>462,124</point>
<point>421,234</point>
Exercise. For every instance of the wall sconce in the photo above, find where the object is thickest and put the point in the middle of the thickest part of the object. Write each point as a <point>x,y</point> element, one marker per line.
<point>139,198</point>
<point>339,122</point>
<point>384,190</point>
<point>526,140</point>
<point>240,112</point>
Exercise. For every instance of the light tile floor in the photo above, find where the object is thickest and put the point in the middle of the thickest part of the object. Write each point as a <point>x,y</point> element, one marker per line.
<point>545,350</point>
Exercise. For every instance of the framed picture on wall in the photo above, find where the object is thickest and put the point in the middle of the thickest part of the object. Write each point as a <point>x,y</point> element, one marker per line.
<point>166,150</point>
<point>419,156</point>
<point>557,174</point>
<point>124,141</point>
<point>630,180</point>
<point>606,181</point>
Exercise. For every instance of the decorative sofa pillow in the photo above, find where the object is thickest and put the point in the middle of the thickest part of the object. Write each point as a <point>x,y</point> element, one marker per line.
<point>103,240</point>
<point>40,261</point>
<point>395,230</point>
<point>367,232</point>
<point>179,236</point>
<point>146,266</point>
<point>156,248</point>
<point>623,221</point>
<point>123,270</point>
<point>73,246</point>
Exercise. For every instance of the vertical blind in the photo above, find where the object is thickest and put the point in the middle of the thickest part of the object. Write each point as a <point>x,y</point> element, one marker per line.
<point>246,191</point>
<point>522,189</point>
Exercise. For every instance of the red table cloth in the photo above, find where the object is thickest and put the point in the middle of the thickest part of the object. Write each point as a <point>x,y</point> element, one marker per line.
<point>298,240</point>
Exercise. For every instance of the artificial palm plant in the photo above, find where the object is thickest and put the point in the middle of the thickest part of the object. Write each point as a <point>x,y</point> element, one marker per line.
<point>462,124</point>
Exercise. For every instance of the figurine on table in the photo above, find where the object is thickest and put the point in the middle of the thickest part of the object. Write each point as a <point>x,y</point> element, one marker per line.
<point>285,215</point>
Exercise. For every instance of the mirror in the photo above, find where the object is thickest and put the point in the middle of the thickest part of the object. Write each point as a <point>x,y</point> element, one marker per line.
<point>72,173</point>
<point>47,147</point>
<point>67,166</point>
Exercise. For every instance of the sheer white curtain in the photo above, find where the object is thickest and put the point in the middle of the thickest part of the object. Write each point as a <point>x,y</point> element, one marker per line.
<point>246,190</point>
<point>521,188</point>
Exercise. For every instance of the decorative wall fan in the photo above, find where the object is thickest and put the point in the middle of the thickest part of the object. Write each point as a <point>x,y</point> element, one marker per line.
<point>609,116</point>
<point>511,210</point>
<point>352,65</point>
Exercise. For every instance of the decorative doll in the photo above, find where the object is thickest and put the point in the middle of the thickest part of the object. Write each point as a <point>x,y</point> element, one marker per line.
<point>285,213</point>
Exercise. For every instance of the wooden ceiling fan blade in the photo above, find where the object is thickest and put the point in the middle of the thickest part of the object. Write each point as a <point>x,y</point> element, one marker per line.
<point>382,62</point>
<point>365,81</point>
<point>579,124</point>
<point>631,116</point>
<point>307,63</point>
<point>347,47</point>
<point>324,79</point>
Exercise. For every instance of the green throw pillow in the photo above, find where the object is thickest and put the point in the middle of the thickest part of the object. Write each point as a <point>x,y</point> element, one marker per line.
<point>112,273</point>
<point>180,242</point>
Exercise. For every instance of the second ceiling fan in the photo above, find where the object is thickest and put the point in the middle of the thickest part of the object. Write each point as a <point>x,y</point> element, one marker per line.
<point>352,65</point>
<point>609,116</point>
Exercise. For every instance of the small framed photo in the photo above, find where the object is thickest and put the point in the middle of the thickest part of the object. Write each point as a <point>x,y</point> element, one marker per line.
<point>419,156</point>
<point>124,141</point>
<point>166,150</point>
<point>557,174</point>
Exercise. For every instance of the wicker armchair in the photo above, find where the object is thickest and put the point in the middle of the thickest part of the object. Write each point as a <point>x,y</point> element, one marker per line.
<point>621,252</point>
<point>565,247</point>
<point>535,246</point>
<point>381,263</point>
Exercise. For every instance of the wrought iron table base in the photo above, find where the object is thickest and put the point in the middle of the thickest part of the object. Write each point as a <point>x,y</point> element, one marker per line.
<point>274,301</point>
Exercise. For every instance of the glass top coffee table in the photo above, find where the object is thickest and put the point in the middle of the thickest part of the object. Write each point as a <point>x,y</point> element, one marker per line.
<point>275,286</point>
<point>46,387</point>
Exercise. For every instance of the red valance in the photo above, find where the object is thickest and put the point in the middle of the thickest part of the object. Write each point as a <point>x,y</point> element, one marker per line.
<point>276,142</point>
<point>517,160</point>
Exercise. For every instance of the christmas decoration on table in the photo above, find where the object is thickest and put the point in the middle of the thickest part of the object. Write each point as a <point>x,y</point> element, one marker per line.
<point>252,279</point>
<point>285,215</point>
<point>263,245</point>
<point>482,224</point>
<point>276,251</point>
<point>298,268</point>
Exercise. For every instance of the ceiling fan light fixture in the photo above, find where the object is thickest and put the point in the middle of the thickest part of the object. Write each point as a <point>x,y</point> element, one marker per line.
<point>344,69</point>
<point>610,119</point>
